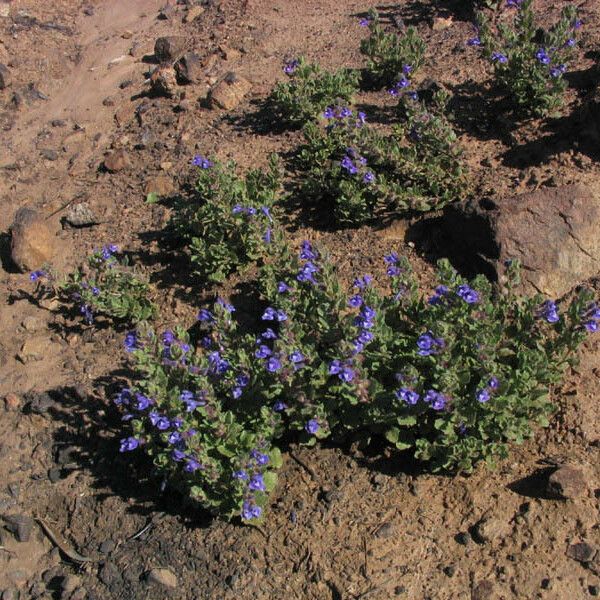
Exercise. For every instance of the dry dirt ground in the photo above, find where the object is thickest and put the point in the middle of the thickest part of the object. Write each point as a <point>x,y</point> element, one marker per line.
<point>358,525</point>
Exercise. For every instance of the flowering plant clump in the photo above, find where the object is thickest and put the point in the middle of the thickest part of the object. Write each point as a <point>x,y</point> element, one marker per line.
<point>229,221</point>
<point>105,286</point>
<point>529,63</point>
<point>388,53</point>
<point>362,171</point>
<point>452,376</point>
<point>310,90</point>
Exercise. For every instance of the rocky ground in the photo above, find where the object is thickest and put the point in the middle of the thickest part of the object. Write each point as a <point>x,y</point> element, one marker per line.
<point>93,117</point>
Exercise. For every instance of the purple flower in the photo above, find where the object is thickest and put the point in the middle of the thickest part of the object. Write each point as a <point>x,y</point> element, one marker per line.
<point>429,345</point>
<point>307,272</point>
<point>241,475</point>
<point>348,165</point>
<point>364,22</point>
<point>269,334</point>
<point>163,423</point>
<point>259,457</point>
<point>343,371</point>
<point>483,396</point>
<point>250,511</point>
<point>263,351</point>
<point>467,293</point>
<point>205,316</point>
<point>312,426</point>
<point>542,56</point>
<point>591,326</point>
<point>273,364</point>
<point>174,437</point>
<point>355,301</point>
<point>329,113</point>
<point>142,402</point>
<point>306,251</point>
<point>493,383</point>
<point>296,357</point>
<point>200,161</point>
<point>267,237</point>
<point>36,275</point>
<point>369,177</point>
<point>362,282</point>
<point>362,118</point>
<point>577,24</point>
<point>436,400</point>
<point>191,465</point>
<point>279,406</point>
<point>570,43</point>
<point>548,311</point>
<point>557,71</point>
<point>256,483</point>
<point>283,287</point>
<point>514,3</point>
<point>129,444</point>
<point>474,41</point>
<point>291,66</point>
<point>228,307</point>
<point>131,341</point>
<point>271,314</point>
<point>345,112</point>
<point>499,57</point>
<point>177,455</point>
<point>407,395</point>
<point>399,86</point>
<point>123,397</point>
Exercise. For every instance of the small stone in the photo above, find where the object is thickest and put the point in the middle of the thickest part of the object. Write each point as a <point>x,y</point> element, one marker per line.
<point>5,77</point>
<point>34,349</point>
<point>89,11</point>
<point>125,114</point>
<point>229,92</point>
<point>169,48</point>
<point>164,577</point>
<point>594,590</point>
<point>116,161</point>
<point>81,215</point>
<point>54,474</point>
<point>483,590</point>
<point>546,584</point>
<point>31,324</point>
<point>193,13</point>
<point>10,594</point>
<point>125,83</point>
<point>20,525</point>
<point>4,10</point>
<point>33,244</point>
<point>127,35</point>
<point>189,68</point>
<point>110,574</point>
<point>441,23</point>
<point>39,403</point>
<point>58,123</point>
<point>163,81</point>
<point>108,101</point>
<point>462,538</point>
<point>12,402</point>
<point>49,154</point>
<point>385,531</point>
<point>107,546</point>
<point>489,528</point>
<point>581,552</point>
<point>70,583</point>
<point>229,54</point>
<point>79,594</point>
<point>567,482</point>
<point>450,571</point>
<point>160,184</point>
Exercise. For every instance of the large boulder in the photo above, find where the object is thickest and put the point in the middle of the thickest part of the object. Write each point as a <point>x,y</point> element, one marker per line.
<point>33,243</point>
<point>553,232</point>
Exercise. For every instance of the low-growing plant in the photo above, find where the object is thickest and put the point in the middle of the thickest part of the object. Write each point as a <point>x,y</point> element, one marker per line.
<point>361,172</point>
<point>310,90</point>
<point>529,63</point>
<point>106,285</point>
<point>228,221</point>
<point>390,54</point>
<point>453,376</point>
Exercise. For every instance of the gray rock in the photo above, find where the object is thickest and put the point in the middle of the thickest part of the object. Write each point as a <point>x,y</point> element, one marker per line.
<point>70,583</point>
<point>33,244</point>
<point>39,403</point>
<point>10,594</point>
<point>553,232</point>
<point>189,68</point>
<point>490,528</point>
<point>581,552</point>
<point>567,482</point>
<point>5,77</point>
<point>20,525</point>
<point>49,154</point>
<point>169,48</point>
<point>164,577</point>
<point>81,215</point>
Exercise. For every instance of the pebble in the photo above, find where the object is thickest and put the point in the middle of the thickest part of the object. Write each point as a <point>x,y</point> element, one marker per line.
<point>54,474</point>
<point>594,590</point>
<point>49,154</point>
<point>229,92</point>
<point>12,402</point>
<point>462,538</point>
<point>489,528</point>
<point>169,48</point>
<point>20,525</point>
<point>193,13</point>
<point>70,583</point>
<point>567,482</point>
<point>107,546</point>
<point>5,77</point>
<point>33,243</point>
<point>39,402</point>
<point>581,552</point>
<point>164,577</point>
<point>4,9</point>
<point>81,215</point>
<point>116,161</point>
<point>10,594</point>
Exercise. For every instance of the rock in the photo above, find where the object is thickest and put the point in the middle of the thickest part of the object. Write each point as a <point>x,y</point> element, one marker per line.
<point>169,48</point>
<point>81,215</point>
<point>441,23</point>
<point>163,82</point>
<point>189,68</point>
<point>54,474</point>
<point>125,114</point>
<point>552,231</point>
<point>581,552</point>
<point>107,546</point>
<point>49,154</point>
<point>127,34</point>
<point>70,583</point>
<point>20,525</point>
<point>228,53</point>
<point>164,577</point>
<point>110,575</point>
<point>567,482</point>
<point>229,92</point>
<point>4,10</point>
<point>166,12</point>
<point>33,244</point>
<point>39,403</point>
<point>12,402</point>
<point>193,13</point>
<point>34,349</point>
<point>31,324</point>
<point>10,594</point>
<point>79,594</point>
<point>483,591</point>
<point>160,184</point>
<point>489,528</point>
<point>116,161</point>
<point>5,77</point>
<point>462,538</point>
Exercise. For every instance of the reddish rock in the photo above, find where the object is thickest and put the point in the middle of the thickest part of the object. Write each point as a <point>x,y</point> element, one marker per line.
<point>229,92</point>
<point>33,244</point>
<point>12,402</point>
<point>5,77</point>
<point>553,232</point>
<point>567,482</point>
<point>193,13</point>
<point>169,48</point>
<point>189,68</point>
<point>161,185</point>
<point>116,161</point>
<point>164,81</point>
<point>581,552</point>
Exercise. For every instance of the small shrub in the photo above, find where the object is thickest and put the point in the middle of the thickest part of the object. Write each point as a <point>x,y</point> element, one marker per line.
<point>228,222</point>
<point>389,54</point>
<point>310,90</point>
<point>453,377</point>
<point>530,63</point>
<point>105,286</point>
<point>361,171</point>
